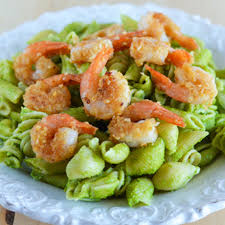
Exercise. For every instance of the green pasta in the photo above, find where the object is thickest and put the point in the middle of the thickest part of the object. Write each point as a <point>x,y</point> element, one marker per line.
<point>128,23</point>
<point>191,120</point>
<point>174,175</point>
<point>114,154</point>
<point>169,133</point>
<point>119,62</point>
<point>7,72</point>
<point>186,141</point>
<point>95,188</point>
<point>42,36</point>
<point>193,157</point>
<point>146,160</point>
<point>86,163</point>
<point>208,154</point>
<point>79,114</point>
<point>45,168</point>
<point>139,192</point>
<point>218,141</point>
<point>59,181</point>
<point>6,107</point>
<point>11,154</point>
<point>6,128</point>
<point>10,91</point>
<point>67,66</point>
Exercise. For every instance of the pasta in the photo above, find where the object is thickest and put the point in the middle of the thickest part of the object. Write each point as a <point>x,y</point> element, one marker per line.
<point>128,115</point>
<point>186,141</point>
<point>174,175</point>
<point>139,192</point>
<point>146,160</point>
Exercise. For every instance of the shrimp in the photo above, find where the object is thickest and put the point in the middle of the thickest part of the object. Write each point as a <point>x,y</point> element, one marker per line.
<point>152,26</point>
<point>54,138</point>
<point>137,126</point>
<point>104,96</point>
<point>192,84</point>
<point>147,49</point>
<point>50,95</point>
<point>146,109</point>
<point>86,51</point>
<point>114,29</point>
<point>124,40</point>
<point>174,32</point>
<point>134,134</point>
<point>37,54</point>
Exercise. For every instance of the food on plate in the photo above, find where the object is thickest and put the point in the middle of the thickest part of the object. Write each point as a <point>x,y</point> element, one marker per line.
<point>104,110</point>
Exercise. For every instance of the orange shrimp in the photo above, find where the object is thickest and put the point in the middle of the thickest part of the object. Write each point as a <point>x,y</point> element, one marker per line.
<point>174,32</point>
<point>192,84</point>
<point>152,26</point>
<point>124,40</point>
<point>179,57</point>
<point>137,126</point>
<point>35,54</point>
<point>86,51</point>
<point>54,138</point>
<point>147,49</point>
<point>104,96</point>
<point>146,109</point>
<point>50,95</point>
<point>113,29</point>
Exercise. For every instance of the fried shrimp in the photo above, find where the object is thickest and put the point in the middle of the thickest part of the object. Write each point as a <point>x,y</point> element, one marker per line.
<point>113,29</point>
<point>50,95</point>
<point>174,32</point>
<point>36,55</point>
<point>146,109</point>
<point>86,51</point>
<point>137,126</point>
<point>54,138</point>
<point>147,49</point>
<point>192,85</point>
<point>104,97</point>
<point>121,129</point>
<point>152,26</point>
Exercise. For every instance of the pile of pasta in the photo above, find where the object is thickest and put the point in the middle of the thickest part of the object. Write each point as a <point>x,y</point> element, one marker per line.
<point>102,168</point>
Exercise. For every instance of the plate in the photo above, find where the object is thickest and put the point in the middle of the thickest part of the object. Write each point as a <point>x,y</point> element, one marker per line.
<point>202,196</point>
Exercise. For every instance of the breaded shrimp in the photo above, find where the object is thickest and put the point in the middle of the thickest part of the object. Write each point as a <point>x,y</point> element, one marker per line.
<point>113,29</point>
<point>54,138</point>
<point>147,49</point>
<point>86,51</point>
<point>36,55</point>
<point>152,26</point>
<point>104,97</point>
<point>192,85</point>
<point>147,109</point>
<point>50,95</point>
<point>174,32</point>
<point>137,126</point>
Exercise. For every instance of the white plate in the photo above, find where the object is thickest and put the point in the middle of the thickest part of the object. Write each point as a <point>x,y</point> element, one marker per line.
<point>203,195</point>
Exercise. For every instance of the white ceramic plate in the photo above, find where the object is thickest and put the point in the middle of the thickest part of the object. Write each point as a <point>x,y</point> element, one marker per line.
<point>203,195</point>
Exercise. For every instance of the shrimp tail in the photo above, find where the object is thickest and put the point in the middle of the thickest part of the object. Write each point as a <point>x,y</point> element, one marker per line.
<point>65,79</point>
<point>85,128</point>
<point>173,31</point>
<point>147,109</point>
<point>179,57</point>
<point>90,78</point>
<point>123,41</point>
<point>187,42</point>
<point>173,90</point>
<point>47,48</point>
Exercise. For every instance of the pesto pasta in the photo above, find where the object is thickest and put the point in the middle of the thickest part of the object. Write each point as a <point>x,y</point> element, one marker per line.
<point>104,110</point>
